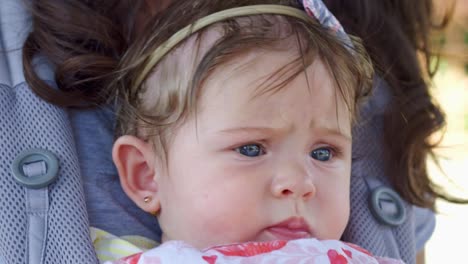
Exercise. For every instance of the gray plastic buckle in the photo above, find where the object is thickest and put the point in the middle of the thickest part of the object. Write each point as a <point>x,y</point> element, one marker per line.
<point>35,168</point>
<point>387,206</point>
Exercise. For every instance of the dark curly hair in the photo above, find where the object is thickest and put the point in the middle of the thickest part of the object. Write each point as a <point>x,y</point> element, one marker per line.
<point>84,40</point>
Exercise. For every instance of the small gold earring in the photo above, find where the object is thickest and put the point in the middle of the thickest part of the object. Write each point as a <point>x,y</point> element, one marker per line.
<point>147,199</point>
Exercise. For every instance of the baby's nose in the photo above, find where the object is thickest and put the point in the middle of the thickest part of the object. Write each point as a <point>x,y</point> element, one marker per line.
<point>293,181</point>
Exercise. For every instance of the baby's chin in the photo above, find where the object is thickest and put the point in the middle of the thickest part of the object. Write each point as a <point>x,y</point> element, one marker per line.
<point>276,233</point>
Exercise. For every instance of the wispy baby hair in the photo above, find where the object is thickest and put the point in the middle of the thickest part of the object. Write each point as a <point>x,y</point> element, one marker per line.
<point>153,106</point>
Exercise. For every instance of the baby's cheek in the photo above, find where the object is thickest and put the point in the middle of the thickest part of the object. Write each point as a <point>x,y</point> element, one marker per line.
<point>340,217</point>
<point>211,230</point>
<point>228,222</point>
<point>220,216</point>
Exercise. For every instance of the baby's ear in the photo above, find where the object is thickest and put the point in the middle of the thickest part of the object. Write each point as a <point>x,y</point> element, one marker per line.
<point>135,161</point>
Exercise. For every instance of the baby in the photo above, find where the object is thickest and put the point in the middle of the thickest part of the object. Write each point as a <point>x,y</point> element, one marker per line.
<point>236,131</point>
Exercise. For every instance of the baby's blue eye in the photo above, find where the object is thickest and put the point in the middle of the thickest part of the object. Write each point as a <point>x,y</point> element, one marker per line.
<point>321,154</point>
<point>250,150</point>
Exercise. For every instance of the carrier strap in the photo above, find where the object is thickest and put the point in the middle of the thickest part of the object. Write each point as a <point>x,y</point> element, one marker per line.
<point>37,207</point>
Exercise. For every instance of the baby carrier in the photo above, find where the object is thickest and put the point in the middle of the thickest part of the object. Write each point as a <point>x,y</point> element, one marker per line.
<point>43,217</point>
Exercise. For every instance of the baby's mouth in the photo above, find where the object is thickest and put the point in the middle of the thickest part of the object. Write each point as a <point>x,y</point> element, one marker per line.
<point>291,228</point>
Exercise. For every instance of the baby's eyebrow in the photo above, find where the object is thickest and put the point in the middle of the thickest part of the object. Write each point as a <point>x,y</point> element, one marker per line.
<point>280,131</point>
<point>256,130</point>
<point>337,133</point>
<point>333,130</point>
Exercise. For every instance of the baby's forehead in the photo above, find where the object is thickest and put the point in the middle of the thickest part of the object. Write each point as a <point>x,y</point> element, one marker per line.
<point>217,52</point>
<point>237,100</point>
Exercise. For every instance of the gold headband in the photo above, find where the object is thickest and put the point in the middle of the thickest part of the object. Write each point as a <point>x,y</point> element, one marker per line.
<point>182,34</point>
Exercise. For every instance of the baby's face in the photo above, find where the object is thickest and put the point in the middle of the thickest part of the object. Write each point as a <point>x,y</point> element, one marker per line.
<point>262,167</point>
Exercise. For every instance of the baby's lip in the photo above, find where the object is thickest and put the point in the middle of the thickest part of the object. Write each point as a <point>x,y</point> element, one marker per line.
<point>291,228</point>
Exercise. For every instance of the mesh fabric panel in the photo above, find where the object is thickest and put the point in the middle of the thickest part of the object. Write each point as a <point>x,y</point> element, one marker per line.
<point>28,122</point>
<point>368,163</point>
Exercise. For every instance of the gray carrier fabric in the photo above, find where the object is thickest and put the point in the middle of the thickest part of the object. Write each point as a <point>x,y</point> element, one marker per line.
<point>367,174</point>
<point>61,235</point>
<point>27,122</point>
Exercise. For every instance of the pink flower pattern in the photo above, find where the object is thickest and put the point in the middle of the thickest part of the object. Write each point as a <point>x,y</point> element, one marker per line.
<point>271,252</point>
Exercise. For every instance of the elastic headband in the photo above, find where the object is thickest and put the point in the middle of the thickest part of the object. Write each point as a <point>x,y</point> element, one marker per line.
<point>315,8</point>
